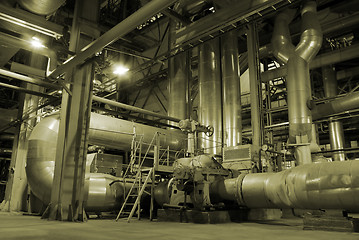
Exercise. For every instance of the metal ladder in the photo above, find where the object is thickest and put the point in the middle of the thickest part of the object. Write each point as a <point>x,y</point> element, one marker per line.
<point>133,196</point>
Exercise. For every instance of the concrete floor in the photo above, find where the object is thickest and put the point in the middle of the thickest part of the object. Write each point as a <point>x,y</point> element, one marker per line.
<point>17,227</point>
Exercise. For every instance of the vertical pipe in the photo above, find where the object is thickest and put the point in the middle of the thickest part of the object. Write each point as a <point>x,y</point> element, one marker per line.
<point>178,86</point>
<point>336,133</point>
<point>232,126</point>
<point>255,90</point>
<point>210,104</point>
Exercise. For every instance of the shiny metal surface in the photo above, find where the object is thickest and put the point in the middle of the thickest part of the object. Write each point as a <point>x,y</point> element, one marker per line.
<point>41,7</point>
<point>332,185</point>
<point>178,86</point>
<point>100,195</point>
<point>349,102</point>
<point>312,36</point>
<point>336,132</point>
<point>298,79</point>
<point>232,116</point>
<point>298,94</point>
<point>117,133</point>
<point>104,130</point>
<point>281,40</point>
<point>329,185</point>
<point>255,88</point>
<point>210,99</point>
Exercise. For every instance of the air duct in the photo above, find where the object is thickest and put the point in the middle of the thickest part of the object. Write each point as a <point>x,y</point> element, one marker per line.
<point>298,80</point>
<point>43,7</point>
<point>330,185</point>
<point>104,130</point>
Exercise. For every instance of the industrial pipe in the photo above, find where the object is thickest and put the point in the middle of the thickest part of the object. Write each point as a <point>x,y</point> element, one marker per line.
<point>232,116</point>
<point>333,185</point>
<point>104,131</point>
<point>178,86</point>
<point>133,108</point>
<point>336,132</point>
<point>42,7</point>
<point>298,80</point>
<point>210,98</point>
<point>118,31</point>
<point>349,102</point>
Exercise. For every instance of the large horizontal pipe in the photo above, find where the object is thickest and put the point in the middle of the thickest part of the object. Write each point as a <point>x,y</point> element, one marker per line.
<point>333,185</point>
<point>118,31</point>
<point>134,109</point>
<point>321,60</point>
<point>349,102</point>
<point>104,131</point>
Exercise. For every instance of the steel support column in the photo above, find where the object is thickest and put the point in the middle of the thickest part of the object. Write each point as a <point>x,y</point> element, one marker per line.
<point>210,99</point>
<point>67,196</point>
<point>336,132</point>
<point>232,118</point>
<point>255,89</point>
<point>15,195</point>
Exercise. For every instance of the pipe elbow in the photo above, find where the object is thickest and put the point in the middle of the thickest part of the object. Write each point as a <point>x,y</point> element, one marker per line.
<point>312,36</point>
<point>281,41</point>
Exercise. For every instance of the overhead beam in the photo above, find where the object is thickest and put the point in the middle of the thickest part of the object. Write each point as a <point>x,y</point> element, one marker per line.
<point>30,21</point>
<point>118,31</point>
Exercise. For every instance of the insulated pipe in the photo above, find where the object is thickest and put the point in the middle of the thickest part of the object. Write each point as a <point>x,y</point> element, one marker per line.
<point>118,31</point>
<point>298,80</point>
<point>41,7</point>
<point>349,102</point>
<point>103,130</point>
<point>178,86</point>
<point>232,119</point>
<point>333,185</point>
<point>210,99</point>
<point>336,132</point>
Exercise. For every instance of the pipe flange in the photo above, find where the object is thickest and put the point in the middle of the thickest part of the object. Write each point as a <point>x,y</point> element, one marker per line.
<point>238,192</point>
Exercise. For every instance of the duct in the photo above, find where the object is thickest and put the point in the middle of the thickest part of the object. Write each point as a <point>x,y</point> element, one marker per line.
<point>103,130</point>
<point>298,81</point>
<point>43,7</point>
<point>333,185</point>
<point>178,86</point>
<point>336,133</point>
<point>210,99</point>
<point>118,31</point>
<point>336,56</point>
<point>232,119</point>
<point>349,102</point>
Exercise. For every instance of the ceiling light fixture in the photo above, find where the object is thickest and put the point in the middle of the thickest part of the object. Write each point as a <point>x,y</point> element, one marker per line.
<point>120,70</point>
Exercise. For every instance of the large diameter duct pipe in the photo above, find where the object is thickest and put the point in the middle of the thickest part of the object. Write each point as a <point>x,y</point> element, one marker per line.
<point>232,119</point>
<point>210,99</point>
<point>336,132</point>
<point>103,130</point>
<point>43,7</point>
<point>333,185</point>
<point>298,80</point>
<point>178,86</point>
<point>347,103</point>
